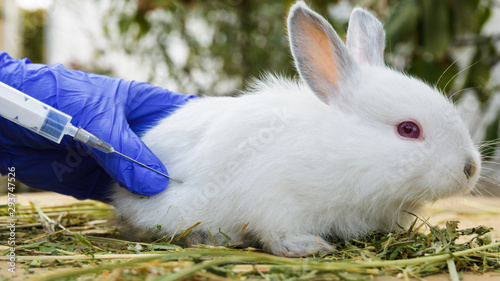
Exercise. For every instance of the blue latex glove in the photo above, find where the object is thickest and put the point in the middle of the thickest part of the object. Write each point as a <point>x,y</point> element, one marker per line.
<point>114,110</point>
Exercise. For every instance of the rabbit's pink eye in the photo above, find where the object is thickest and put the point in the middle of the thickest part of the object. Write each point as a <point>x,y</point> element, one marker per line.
<point>408,129</point>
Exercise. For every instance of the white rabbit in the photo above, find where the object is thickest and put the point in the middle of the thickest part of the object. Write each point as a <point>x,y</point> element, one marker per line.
<point>346,150</point>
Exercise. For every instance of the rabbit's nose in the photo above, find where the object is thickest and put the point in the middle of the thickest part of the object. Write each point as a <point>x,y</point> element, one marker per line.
<point>470,168</point>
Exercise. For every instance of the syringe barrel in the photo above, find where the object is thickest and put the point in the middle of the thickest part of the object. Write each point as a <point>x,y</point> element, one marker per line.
<point>33,114</point>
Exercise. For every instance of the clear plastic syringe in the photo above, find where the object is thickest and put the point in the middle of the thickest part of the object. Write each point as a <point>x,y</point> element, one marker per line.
<point>49,122</point>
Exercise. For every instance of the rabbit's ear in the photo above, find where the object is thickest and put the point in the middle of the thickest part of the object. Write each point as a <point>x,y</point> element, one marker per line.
<point>320,55</point>
<point>365,37</point>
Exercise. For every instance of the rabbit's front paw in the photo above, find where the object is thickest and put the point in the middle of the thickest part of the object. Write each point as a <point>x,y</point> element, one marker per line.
<point>297,245</point>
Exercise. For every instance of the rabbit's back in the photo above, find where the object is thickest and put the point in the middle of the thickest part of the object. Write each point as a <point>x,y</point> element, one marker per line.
<point>235,157</point>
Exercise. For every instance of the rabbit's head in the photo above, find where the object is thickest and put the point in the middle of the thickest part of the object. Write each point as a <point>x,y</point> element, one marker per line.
<point>415,140</point>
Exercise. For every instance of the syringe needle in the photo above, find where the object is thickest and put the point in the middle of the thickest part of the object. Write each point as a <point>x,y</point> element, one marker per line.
<point>87,138</point>
<point>50,122</point>
<point>122,155</point>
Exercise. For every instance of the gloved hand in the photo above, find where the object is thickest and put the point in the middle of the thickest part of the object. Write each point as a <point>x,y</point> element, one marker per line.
<point>114,110</point>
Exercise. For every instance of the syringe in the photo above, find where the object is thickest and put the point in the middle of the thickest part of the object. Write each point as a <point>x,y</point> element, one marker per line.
<point>49,122</point>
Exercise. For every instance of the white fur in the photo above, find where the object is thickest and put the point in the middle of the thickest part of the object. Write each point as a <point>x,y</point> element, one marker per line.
<point>366,37</point>
<point>299,169</point>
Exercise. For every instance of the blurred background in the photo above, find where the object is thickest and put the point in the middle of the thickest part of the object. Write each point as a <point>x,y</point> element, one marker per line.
<point>216,47</point>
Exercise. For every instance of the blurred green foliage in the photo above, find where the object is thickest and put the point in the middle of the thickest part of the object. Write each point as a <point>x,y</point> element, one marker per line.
<point>235,40</point>
<point>434,31</point>
<point>33,35</point>
<point>240,39</point>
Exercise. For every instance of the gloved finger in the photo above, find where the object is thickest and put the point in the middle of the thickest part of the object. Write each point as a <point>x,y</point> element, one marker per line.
<point>67,171</point>
<point>13,136</point>
<point>46,165</point>
<point>12,71</point>
<point>147,104</point>
<point>134,177</point>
